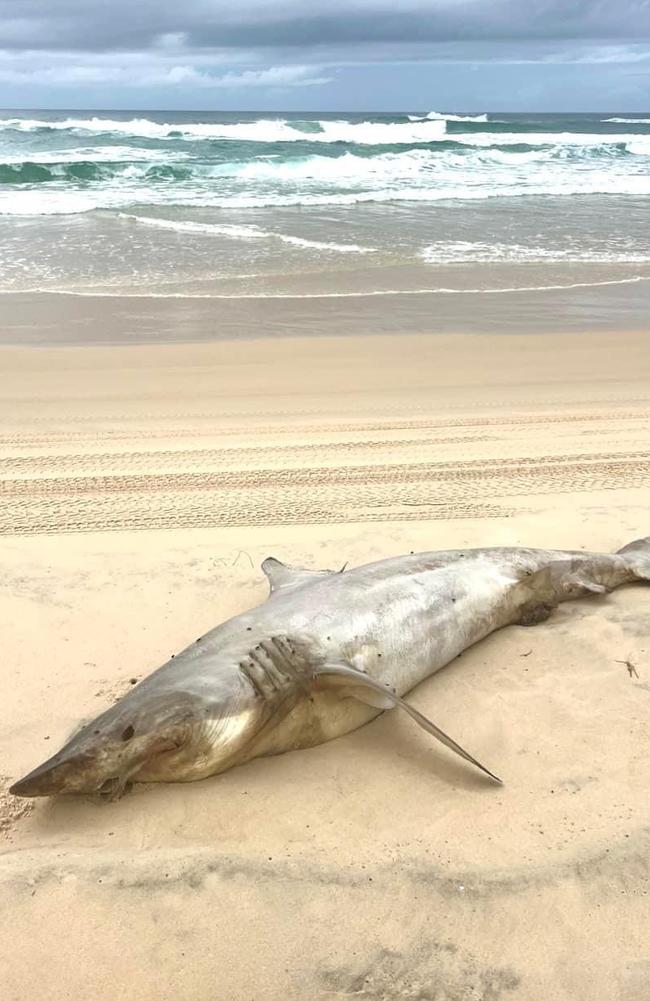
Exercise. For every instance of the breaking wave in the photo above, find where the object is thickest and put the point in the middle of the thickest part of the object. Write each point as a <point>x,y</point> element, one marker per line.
<point>437,116</point>
<point>440,116</point>
<point>472,166</point>
<point>628,121</point>
<point>277,130</point>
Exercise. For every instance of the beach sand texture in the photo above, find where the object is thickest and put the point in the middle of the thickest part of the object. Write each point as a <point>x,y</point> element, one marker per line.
<point>141,488</point>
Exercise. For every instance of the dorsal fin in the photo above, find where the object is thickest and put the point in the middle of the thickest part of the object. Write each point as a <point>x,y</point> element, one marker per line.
<point>281,576</point>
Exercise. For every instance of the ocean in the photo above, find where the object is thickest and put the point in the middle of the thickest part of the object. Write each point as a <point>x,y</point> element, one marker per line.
<point>257,205</point>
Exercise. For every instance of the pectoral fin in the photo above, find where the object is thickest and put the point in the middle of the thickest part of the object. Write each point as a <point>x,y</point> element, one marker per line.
<point>373,693</point>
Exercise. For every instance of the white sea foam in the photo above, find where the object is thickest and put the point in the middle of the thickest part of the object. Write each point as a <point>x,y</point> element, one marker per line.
<point>344,169</point>
<point>188,226</point>
<point>94,154</point>
<point>417,167</point>
<point>339,248</point>
<point>640,147</point>
<point>378,133</point>
<point>473,252</point>
<point>243,233</point>
<point>437,116</point>
<point>263,130</point>
<point>542,138</point>
<point>134,127</point>
<point>32,202</point>
<point>634,279</point>
<point>602,184</point>
<point>628,121</point>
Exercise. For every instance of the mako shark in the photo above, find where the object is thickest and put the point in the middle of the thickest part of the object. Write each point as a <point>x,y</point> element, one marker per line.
<point>324,654</point>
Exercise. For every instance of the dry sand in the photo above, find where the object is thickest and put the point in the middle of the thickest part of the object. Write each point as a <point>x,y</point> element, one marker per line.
<point>141,486</point>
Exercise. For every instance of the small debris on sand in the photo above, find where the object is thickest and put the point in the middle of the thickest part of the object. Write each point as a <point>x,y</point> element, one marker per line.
<point>631,669</point>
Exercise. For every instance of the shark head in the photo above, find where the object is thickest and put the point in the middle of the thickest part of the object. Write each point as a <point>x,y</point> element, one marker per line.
<point>173,736</point>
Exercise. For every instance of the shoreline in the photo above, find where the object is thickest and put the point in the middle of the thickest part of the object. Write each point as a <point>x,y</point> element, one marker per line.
<point>360,294</point>
<point>70,319</point>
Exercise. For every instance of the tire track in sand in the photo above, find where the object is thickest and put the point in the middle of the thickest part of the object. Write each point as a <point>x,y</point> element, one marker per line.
<point>395,490</point>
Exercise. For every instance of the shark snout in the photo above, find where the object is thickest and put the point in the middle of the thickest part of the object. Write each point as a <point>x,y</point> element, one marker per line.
<point>96,763</point>
<point>57,775</point>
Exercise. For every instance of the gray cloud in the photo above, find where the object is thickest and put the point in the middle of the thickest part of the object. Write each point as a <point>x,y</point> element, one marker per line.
<point>334,53</point>
<point>137,25</point>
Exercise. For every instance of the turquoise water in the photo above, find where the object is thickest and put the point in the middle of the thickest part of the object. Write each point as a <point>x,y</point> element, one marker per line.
<point>241,204</point>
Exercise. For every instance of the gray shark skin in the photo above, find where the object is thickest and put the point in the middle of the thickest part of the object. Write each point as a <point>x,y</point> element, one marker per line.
<point>324,654</point>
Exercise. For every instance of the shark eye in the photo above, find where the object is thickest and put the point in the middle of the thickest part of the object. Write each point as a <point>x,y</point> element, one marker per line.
<point>128,733</point>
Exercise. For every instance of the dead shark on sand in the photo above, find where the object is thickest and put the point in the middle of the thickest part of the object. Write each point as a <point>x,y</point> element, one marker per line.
<point>325,653</point>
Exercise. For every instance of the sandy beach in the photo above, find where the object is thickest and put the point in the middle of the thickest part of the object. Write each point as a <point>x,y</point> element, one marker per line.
<point>141,486</point>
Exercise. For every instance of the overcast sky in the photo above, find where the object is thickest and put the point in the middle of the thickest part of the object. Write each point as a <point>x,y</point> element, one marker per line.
<point>326,54</point>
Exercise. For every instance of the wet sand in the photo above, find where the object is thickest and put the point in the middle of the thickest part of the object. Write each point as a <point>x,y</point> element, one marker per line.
<point>587,307</point>
<point>141,487</point>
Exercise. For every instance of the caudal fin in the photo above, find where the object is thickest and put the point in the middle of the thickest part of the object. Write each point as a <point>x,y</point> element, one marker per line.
<point>637,555</point>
